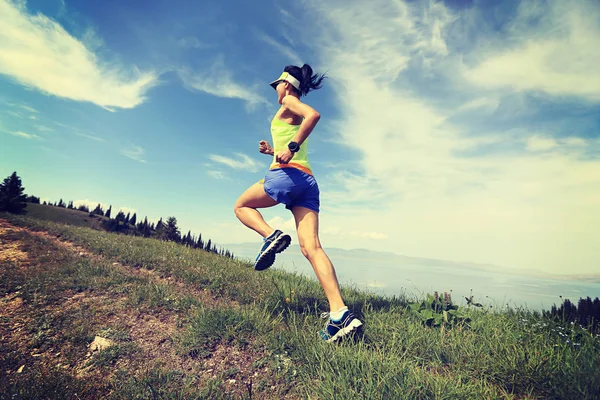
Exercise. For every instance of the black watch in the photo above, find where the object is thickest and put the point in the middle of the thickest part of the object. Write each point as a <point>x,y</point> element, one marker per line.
<point>294,147</point>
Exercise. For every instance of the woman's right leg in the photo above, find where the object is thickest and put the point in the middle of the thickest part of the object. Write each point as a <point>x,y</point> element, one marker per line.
<point>246,209</point>
<point>307,225</point>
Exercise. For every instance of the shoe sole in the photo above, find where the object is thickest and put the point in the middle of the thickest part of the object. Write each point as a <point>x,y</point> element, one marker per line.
<point>353,325</point>
<point>279,245</point>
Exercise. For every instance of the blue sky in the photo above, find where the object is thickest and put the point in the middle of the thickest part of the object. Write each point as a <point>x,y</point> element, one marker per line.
<point>451,130</point>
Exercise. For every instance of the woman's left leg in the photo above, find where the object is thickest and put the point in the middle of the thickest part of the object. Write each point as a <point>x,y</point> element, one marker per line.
<point>246,209</point>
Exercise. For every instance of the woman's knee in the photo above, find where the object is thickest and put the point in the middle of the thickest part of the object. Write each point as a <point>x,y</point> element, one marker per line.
<point>309,249</point>
<point>238,208</point>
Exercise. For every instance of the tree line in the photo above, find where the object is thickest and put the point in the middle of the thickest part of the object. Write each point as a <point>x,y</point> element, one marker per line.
<point>13,200</point>
<point>586,313</point>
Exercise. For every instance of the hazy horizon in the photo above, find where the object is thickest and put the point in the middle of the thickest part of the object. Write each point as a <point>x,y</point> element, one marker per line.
<point>393,274</point>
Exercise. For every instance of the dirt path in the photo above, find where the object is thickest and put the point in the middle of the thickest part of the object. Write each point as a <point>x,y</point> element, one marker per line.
<point>153,333</point>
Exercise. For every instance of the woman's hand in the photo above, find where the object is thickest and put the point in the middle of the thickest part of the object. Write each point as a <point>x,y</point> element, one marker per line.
<point>264,147</point>
<point>284,156</point>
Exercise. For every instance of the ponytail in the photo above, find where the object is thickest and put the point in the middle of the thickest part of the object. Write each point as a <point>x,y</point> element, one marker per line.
<point>308,81</point>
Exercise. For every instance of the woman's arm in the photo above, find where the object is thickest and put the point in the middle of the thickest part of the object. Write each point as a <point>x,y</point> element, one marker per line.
<point>265,148</point>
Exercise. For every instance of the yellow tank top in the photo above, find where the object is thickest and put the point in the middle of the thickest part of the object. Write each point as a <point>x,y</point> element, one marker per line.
<point>282,133</point>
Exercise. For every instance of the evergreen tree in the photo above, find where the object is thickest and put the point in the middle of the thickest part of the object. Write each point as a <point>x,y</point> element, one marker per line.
<point>199,243</point>
<point>208,245</point>
<point>70,205</point>
<point>107,214</point>
<point>188,239</point>
<point>147,229</point>
<point>98,210</point>
<point>126,220</point>
<point>61,204</point>
<point>32,199</point>
<point>120,216</point>
<point>172,231</point>
<point>133,219</point>
<point>12,198</point>
<point>84,208</point>
<point>45,204</point>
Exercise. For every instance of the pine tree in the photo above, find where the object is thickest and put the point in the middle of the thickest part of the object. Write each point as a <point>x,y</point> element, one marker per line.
<point>208,245</point>
<point>172,231</point>
<point>12,198</point>
<point>188,239</point>
<point>199,243</point>
<point>32,199</point>
<point>126,220</point>
<point>107,214</point>
<point>61,204</point>
<point>98,210</point>
<point>70,205</point>
<point>133,219</point>
<point>120,216</point>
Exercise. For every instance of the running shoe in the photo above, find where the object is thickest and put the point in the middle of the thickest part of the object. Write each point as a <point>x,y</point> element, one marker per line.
<point>273,244</point>
<point>335,330</point>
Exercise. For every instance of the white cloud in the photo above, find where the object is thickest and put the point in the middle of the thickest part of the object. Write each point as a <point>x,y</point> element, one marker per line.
<point>511,207</point>
<point>30,109</point>
<point>217,81</point>
<point>135,153</point>
<point>539,143</point>
<point>24,135</point>
<point>558,54</point>
<point>216,174</point>
<point>243,162</point>
<point>285,225</point>
<point>481,103</point>
<point>38,52</point>
<point>92,137</point>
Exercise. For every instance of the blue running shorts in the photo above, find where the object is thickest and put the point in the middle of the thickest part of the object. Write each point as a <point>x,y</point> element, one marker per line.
<point>292,187</point>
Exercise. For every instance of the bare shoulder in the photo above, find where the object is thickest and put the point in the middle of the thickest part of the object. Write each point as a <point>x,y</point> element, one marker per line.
<point>296,106</point>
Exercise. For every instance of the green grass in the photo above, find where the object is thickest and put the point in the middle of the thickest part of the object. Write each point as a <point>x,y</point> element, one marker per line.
<point>64,215</point>
<point>272,318</point>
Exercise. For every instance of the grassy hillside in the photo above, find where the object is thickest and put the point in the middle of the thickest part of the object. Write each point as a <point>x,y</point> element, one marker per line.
<point>65,216</point>
<point>185,323</point>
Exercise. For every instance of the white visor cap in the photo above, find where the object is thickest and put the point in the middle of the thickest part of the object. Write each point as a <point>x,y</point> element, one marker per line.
<point>288,78</point>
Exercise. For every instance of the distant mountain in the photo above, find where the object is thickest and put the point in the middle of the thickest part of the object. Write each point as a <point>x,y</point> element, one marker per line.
<point>370,257</point>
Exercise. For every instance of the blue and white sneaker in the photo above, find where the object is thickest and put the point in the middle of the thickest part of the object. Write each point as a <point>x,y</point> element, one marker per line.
<point>335,330</point>
<point>273,244</point>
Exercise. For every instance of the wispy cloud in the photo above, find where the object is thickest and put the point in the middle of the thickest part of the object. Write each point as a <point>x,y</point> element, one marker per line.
<point>516,196</point>
<point>192,42</point>
<point>135,153</point>
<point>39,53</point>
<point>92,137</point>
<point>216,174</point>
<point>242,162</point>
<point>218,81</point>
<point>23,134</point>
<point>30,109</point>
<point>284,49</point>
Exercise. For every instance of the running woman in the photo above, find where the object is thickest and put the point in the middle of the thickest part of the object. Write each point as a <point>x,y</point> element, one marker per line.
<point>290,181</point>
